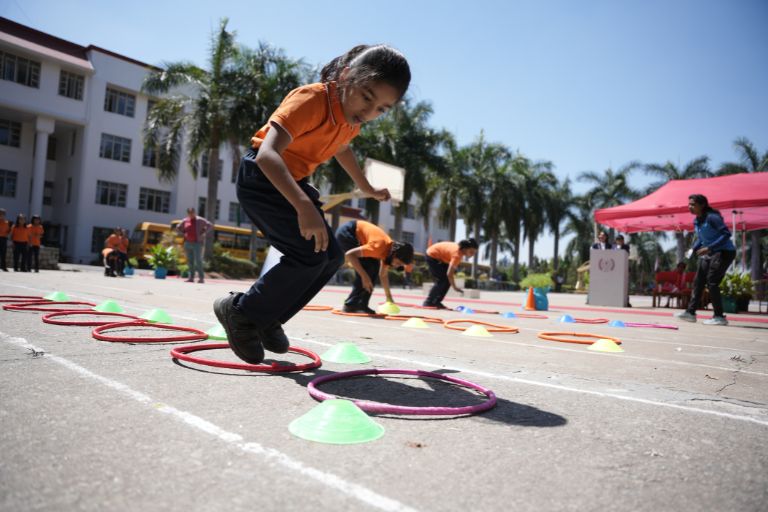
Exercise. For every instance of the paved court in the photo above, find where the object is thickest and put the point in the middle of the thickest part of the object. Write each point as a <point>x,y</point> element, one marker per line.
<point>679,421</point>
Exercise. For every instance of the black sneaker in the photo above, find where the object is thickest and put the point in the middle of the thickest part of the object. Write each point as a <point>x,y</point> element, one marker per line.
<point>358,309</point>
<point>243,337</point>
<point>273,338</point>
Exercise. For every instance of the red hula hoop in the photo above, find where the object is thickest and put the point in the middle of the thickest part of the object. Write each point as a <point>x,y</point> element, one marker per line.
<point>383,408</point>
<point>49,318</point>
<point>655,326</point>
<point>312,307</point>
<point>344,313</point>
<point>591,320</point>
<point>417,306</point>
<point>22,298</point>
<point>195,334</point>
<point>429,319</point>
<point>449,324</point>
<point>531,315</point>
<point>182,354</point>
<point>37,306</point>
<point>561,336</point>
<point>482,311</point>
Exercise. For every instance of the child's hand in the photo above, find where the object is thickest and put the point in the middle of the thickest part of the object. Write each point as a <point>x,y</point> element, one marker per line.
<point>367,283</point>
<point>380,194</point>
<point>311,224</point>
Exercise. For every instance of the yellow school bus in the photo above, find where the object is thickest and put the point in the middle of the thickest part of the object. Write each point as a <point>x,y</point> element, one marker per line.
<point>236,241</point>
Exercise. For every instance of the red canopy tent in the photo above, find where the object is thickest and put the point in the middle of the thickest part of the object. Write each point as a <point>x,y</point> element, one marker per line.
<point>741,198</point>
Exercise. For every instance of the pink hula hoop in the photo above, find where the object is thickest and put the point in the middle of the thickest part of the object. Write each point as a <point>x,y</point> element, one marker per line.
<point>384,408</point>
<point>654,326</point>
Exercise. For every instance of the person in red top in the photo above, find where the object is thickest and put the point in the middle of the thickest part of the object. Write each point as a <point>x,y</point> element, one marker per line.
<point>5,230</point>
<point>371,252</point>
<point>35,240</point>
<point>113,264</point>
<point>443,259</point>
<point>194,229</point>
<point>314,123</point>
<point>20,237</point>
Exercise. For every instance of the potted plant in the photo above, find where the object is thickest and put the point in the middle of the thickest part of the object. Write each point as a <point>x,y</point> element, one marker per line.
<point>162,259</point>
<point>736,290</point>
<point>132,264</point>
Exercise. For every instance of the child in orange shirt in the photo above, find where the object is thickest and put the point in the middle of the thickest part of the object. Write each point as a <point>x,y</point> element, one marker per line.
<point>20,237</point>
<point>371,252</point>
<point>5,230</point>
<point>443,259</point>
<point>113,266</point>
<point>313,124</point>
<point>35,239</point>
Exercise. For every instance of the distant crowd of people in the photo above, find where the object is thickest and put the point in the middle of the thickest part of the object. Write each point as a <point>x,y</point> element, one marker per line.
<point>26,239</point>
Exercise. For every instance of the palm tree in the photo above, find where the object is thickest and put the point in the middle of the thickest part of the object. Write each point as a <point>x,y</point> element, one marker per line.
<point>557,204</point>
<point>452,184</point>
<point>750,161</point>
<point>537,183</point>
<point>503,191</point>
<point>696,168</point>
<point>579,223</point>
<point>610,188</point>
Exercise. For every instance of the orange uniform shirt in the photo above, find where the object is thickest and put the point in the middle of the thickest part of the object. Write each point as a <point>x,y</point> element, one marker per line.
<point>313,117</point>
<point>447,252</point>
<point>5,228</point>
<point>20,234</point>
<point>374,242</point>
<point>113,242</point>
<point>123,244</point>
<point>35,234</point>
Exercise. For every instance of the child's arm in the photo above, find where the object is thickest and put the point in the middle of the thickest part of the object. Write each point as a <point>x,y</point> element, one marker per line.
<point>273,166</point>
<point>451,277</point>
<point>353,257</point>
<point>384,279</point>
<point>346,157</point>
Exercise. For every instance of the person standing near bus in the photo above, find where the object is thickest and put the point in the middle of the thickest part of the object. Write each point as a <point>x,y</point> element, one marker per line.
<point>194,229</point>
<point>20,237</point>
<point>35,240</point>
<point>5,230</point>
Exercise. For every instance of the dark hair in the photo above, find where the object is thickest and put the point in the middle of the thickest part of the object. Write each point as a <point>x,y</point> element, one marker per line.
<point>402,251</point>
<point>702,200</point>
<point>368,63</point>
<point>469,243</point>
<point>32,220</point>
<point>619,237</point>
<point>18,222</point>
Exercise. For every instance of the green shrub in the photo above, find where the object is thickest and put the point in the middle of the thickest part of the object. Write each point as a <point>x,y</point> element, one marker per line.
<point>737,285</point>
<point>536,281</point>
<point>230,267</point>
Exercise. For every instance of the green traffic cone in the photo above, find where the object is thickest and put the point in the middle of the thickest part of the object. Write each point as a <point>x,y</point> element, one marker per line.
<point>345,353</point>
<point>157,316</point>
<point>109,306</point>
<point>57,297</point>
<point>336,421</point>
<point>216,332</point>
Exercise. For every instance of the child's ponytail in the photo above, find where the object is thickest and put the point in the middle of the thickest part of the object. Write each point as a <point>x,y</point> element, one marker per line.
<point>369,63</point>
<point>331,71</point>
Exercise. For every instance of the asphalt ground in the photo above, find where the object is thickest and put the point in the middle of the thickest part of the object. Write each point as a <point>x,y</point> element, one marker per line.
<point>679,421</point>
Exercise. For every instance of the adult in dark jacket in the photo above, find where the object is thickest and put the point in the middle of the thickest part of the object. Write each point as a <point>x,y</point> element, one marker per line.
<point>602,242</point>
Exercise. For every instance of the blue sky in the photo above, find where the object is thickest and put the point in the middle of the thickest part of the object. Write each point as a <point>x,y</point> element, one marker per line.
<point>585,84</point>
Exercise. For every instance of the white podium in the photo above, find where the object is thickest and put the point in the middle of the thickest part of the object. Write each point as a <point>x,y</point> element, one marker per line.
<point>608,277</point>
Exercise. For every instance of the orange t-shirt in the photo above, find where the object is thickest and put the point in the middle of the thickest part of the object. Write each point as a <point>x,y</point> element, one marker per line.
<point>447,252</point>
<point>20,234</point>
<point>35,234</point>
<point>313,117</point>
<point>5,228</point>
<point>374,242</point>
<point>123,244</point>
<point>113,242</point>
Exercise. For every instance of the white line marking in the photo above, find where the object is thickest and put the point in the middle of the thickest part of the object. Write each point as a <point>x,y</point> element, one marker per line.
<point>552,386</point>
<point>331,480</point>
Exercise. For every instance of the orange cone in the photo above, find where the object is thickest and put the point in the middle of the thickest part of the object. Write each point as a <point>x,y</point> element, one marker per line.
<point>530,302</point>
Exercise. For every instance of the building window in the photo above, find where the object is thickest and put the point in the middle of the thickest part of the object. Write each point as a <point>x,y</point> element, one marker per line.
<point>71,85</point>
<point>407,237</point>
<point>115,148</point>
<point>48,193</point>
<point>51,152</point>
<point>235,170</point>
<point>237,214</point>
<point>149,157</point>
<point>72,143</point>
<point>20,70</point>
<point>99,237</point>
<point>204,167</point>
<point>10,133</point>
<point>119,102</point>
<point>69,190</point>
<point>111,194</point>
<point>201,202</point>
<point>8,183</point>
<point>361,203</point>
<point>410,211</point>
<point>154,200</point>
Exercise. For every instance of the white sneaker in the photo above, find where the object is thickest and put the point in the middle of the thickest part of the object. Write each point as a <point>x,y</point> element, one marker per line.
<point>686,317</point>
<point>716,320</point>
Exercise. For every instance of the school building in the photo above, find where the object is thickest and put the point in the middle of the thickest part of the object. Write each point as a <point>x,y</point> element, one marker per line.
<point>71,149</point>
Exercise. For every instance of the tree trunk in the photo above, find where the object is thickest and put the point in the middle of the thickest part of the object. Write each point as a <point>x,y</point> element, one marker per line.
<point>476,233</point>
<point>756,260</point>
<point>530,254</point>
<point>516,255</point>
<point>213,190</point>
<point>452,224</point>
<point>555,259</point>
<point>680,236</point>
<point>494,250</point>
